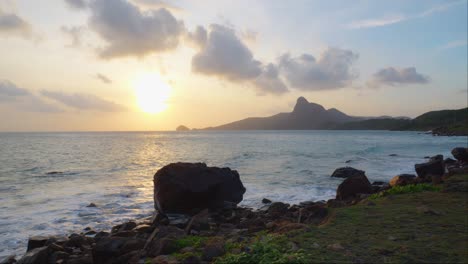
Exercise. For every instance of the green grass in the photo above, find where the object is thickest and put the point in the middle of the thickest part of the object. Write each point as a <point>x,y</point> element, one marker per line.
<point>267,249</point>
<point>411,188</point>
<point>419,225</point>
<point>190,241</point>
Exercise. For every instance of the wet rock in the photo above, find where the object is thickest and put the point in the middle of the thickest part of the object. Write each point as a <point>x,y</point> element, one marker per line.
<point>449,161</point>
<point>101,234</point>
<point>266,201</point>
<point>353,186</point>
<point>36,242</point>
<point>190,187</point>
<point>91,205</point>
<point>78,241</point>
<point>277,208</point>
<point>179,220</point>
<point>432,167</point>
<point>346,172</point>
<point>54,172</point>
<point>393,155</point>
<point>402,179</point>
<point>58,256</point>
<point>124,227</point>
<point>108,248</point>
<point>162,240</point>
<point>438,157</point>
<point>143,229</point>
<point>9,260</point>
<point>35,256</point>
<point>461,154</point>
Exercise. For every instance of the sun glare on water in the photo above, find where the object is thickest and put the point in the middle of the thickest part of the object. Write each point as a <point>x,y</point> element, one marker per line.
<point>151,93</point>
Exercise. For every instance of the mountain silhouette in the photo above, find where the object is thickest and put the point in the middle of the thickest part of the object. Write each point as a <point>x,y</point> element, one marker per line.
<point>304,116</point>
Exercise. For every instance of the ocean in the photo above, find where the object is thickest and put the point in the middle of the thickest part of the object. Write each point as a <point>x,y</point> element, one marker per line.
<point>115,170</point>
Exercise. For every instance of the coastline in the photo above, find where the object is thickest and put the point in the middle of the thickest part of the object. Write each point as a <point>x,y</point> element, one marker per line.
<point>208,235</point>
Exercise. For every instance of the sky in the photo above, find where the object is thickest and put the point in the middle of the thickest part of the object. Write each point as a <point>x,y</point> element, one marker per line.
<point>139,65</point>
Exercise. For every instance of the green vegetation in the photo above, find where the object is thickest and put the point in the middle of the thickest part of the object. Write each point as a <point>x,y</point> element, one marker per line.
<point>420,225</point>
<point>445,121</point>
<point>411,188</point>
<point>266,249</point>
<point>190,241</point>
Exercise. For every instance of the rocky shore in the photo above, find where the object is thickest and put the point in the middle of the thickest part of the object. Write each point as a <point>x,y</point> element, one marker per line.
<point>197,219</point>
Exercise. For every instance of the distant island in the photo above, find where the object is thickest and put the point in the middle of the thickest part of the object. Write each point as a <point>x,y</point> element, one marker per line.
<point>308,116</point>
<point>182,128</point>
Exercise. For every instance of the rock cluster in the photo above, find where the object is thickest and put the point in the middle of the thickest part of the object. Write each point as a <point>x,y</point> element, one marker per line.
<point>195,200</point>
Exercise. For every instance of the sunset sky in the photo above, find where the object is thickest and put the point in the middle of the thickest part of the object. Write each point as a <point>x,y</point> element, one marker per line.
<point>116,65</point>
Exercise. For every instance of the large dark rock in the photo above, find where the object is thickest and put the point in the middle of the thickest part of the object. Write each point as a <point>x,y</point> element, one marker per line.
<point>36,242</point>
<point>346,172</point>
<point>432,167</point>
<point>402,179</point>
<point>38,255</point>
<point>189,187</point>
<point>460,154</point>
<point>352,186</point>
<point>108,249</point>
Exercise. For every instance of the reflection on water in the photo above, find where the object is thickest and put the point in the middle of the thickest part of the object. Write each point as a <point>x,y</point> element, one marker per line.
<point>114,170</point>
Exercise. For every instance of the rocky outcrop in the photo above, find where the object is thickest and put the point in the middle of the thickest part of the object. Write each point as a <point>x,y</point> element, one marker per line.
<point>352,186</point>
<point>461,154</point>
<point>182,128</point>
<point>346,172</point>
<point>435,166</point>
<point>402,179</point>
<point>190,187</point>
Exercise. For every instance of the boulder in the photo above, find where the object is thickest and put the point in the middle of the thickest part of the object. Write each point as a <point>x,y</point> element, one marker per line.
<point>37,242</point>
<point>278,209</point>
<point>402,179</point>
<point>352,186</point>
<point>108,248</point>
<point>432,167</point>
<point>38,255</point>
<point>190,187</point>
<point>346,172</point>
<point>449,161</point>
<point>266,201</point>
<point>438,157</point>
<point>460,154</point>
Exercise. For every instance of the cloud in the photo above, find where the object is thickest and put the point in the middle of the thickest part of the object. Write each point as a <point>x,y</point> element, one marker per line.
<point>198,37</point>
<point>393,76</point>
<point>12,24</point>
<point>151,4</point>
<point>378,22</point>
<point>332,70</point>
<point>389,20</point>
<point>75,34</point>
<point>454,44</point>
<point>268,82</point>
<point>10,90</point>
<point>225,55</point>
<point>83,101</point>
<point>77,4</point>
<point>130,32</point>
<point>103,78</point>
<point>23,100</point>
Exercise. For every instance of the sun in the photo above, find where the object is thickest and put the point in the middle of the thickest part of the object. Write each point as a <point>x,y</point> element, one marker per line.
<point>151,93</point>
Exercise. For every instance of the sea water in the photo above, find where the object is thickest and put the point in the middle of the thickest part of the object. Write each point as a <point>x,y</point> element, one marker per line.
<point>115,170</point>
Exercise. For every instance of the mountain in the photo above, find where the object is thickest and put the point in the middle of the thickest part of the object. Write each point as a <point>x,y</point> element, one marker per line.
<point>444,122</point>
<point>304,116</point>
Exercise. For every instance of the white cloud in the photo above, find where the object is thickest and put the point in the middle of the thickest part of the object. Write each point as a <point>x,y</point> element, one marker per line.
<point>103,78</point>
<point>391,76</point>
<point>128,31</point>
<point>23,100</point>
<point>75,33</point>
<point>13,25</point>
<point>269,81</point>
<point>225,55</point>
<point>454,44</point>
<point>332,70</point>
<point>393,19</point>
<point>77,4</point>
<point>83,101</point>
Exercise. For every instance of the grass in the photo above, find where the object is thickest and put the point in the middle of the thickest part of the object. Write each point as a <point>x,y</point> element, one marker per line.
<point>415,226</point>
<point>411,188</point>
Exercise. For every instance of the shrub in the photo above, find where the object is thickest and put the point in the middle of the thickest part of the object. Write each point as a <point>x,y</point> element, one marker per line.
<point>411,188</point>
